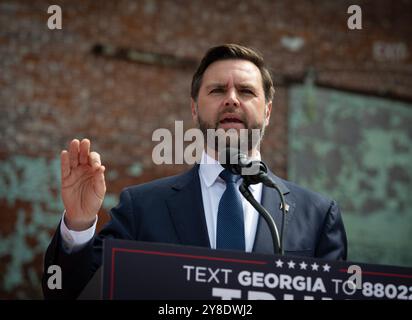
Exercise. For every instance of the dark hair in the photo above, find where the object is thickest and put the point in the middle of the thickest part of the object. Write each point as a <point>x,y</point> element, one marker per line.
<point>233,51</point>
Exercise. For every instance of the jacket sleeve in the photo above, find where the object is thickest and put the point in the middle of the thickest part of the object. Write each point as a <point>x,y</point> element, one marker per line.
<point>78,268</point>
<point>332,242</point>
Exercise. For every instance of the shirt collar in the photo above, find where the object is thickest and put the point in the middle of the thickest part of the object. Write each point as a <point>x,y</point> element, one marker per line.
<point>209,169</point>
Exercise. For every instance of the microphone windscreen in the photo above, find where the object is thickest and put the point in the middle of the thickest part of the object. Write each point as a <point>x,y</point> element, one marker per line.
<point>229,159</point>
<point>228,156</point>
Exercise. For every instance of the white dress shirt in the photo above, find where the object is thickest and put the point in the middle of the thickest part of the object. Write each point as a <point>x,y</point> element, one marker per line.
<point>73,241</point>
<point>212,187</point>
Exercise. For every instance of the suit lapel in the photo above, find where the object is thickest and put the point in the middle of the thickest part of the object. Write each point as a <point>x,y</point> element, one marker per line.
<point>271,202</point>
<point>186,210</point>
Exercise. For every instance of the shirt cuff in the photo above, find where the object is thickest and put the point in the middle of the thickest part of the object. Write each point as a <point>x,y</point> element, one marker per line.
<point>74,241</point>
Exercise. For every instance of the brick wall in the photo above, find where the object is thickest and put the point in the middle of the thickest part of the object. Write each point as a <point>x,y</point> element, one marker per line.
<point>54,88</point>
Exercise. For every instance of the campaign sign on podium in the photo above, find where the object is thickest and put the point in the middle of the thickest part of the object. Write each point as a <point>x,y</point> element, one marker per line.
<point>140,270</point>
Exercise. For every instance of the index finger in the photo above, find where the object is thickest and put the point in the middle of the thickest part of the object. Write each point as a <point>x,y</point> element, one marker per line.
<point>74,153</point>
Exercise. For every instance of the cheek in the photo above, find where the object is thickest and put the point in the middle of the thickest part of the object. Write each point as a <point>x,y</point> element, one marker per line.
<point>256,114</point>
<point>207,111</point>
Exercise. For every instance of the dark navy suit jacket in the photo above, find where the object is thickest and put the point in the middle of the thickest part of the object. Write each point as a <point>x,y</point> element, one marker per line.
<point>170,210</point>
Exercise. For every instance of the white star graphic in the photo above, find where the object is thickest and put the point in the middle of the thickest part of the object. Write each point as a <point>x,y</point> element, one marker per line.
<point>303,265</point>
<point>314,266</point>
<point>291,264</point>
<point>326,267</point>
<point>279,263</point>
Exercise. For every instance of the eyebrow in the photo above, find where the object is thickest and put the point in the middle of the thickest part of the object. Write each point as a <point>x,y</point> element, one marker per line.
<point>247,86</point>
<point>215,85</point>
<point>221,85</point>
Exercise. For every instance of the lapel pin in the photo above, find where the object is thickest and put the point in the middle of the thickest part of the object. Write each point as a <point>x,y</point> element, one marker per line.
<point>286,207</point>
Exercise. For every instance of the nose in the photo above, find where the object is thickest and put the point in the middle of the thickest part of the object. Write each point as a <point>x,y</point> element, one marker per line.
<point>231,99</point>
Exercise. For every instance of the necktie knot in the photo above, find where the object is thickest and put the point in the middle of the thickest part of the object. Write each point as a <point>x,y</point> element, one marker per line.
<point>228,176</point>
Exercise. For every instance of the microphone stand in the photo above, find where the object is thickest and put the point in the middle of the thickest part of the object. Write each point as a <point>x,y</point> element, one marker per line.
<point>266,180</point>
<point>235,161</point>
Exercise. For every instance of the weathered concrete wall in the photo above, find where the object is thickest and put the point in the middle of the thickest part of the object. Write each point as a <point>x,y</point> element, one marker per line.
<point>53,88</point>
<point>358,150</point>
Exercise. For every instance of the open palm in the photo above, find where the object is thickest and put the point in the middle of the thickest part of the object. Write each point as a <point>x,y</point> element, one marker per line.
<point>83,185</point>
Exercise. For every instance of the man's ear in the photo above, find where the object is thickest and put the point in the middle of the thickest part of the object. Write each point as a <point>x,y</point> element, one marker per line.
<point>268,111</point>
<point>194,110</point>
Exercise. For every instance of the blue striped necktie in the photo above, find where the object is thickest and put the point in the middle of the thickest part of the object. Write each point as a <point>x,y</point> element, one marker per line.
<point>230,224</point>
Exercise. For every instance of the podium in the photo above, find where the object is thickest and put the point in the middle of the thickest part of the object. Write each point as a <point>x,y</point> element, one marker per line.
<point>142,271</point>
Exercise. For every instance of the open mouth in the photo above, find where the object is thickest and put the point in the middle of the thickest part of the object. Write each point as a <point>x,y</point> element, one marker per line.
<point>231,120</point>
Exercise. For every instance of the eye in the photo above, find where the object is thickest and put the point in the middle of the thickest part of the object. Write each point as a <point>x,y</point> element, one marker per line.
<point>247,91</point>
<point>216,90</point>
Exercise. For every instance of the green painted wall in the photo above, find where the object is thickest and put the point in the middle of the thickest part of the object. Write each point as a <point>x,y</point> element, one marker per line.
<point>358,150</point>
<point>31,207</point>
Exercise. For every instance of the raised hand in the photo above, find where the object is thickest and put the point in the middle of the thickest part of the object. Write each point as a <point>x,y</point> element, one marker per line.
<point>83,186</point>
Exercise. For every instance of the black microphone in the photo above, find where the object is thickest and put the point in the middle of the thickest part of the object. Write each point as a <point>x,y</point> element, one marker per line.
<point>253,172</point>
<point>233,160</point>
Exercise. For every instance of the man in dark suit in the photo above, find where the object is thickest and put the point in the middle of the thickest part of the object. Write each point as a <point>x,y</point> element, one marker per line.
<point>231,90</point>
